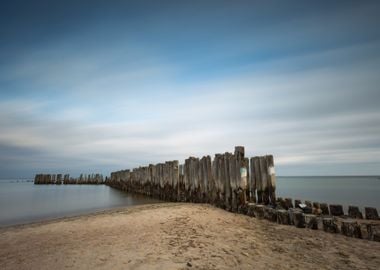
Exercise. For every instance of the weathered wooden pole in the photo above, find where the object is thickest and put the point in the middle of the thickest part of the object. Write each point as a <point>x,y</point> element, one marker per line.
<point>175,177</point>
<point>59,179</point>
<point>248,181</point>
<point>252,185</point>
<point>227,185</point>
<point>233,177</point>
<point>264,179</point>
<point>241,176</point>
<point>259,180</point>
<point>218,176</point>
<point>271,179</point>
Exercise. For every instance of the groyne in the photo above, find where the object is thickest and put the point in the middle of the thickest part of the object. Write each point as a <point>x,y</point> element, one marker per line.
<point>226,181</point>
<point>244,185</point>
<point>58,179</point>
<point>236,183</point>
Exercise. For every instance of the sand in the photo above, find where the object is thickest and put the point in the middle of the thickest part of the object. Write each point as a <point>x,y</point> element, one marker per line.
<point>178,236</point>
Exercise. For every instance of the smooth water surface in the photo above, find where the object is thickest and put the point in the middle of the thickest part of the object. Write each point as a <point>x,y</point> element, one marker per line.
<point>346,190</point>
<point>24,202</point>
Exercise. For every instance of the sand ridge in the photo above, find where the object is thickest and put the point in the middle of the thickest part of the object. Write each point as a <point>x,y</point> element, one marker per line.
<point>178,236</point>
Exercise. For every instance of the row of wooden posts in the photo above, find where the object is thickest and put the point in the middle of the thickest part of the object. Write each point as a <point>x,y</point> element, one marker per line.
<point>235,183</point>
<point>229,181</point>
<point>58,179</point>
<point>238,184</point>
<point>319,216</point>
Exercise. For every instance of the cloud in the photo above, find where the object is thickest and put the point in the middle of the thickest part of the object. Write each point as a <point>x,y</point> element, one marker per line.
<point>292,87</point>
<point>268,114</point>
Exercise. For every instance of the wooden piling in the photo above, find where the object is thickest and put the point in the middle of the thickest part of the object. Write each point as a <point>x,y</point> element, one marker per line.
<point>252,178</point>
<point>264,179</point>
<point>258,178</point>
<point>371,213</point>
<point>271,179</point>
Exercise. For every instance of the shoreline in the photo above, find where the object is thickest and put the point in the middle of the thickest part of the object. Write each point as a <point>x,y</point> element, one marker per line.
<point>76,215</point>
<point>177,236</point>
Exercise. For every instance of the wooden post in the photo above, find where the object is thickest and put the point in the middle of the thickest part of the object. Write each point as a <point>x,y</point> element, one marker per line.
<point>336,210</point>
<point>371,213</point>
<point>354,212</point>
<point>271,179</point>
<point>211,186</point>
<point>233,181</point>
<point>258,178</point>
<point>248,186</point>
<point>227,185</point>
<point>252,181</point>
<point>217,178</point>
<point>264,179</point>
<point>59,179</point>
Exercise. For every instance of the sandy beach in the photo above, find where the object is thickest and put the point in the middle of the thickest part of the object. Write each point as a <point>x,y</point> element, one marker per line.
<point>178,236</point>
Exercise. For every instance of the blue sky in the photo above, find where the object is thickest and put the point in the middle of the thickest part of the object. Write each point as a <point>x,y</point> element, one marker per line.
<point>97,86</point>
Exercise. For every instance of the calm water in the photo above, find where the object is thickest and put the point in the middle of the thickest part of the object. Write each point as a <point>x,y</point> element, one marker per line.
<point>346,190</point>
<point>23,202</point>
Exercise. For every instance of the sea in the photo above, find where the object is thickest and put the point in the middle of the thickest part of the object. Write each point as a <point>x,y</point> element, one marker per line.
<point>23,202</point>
<point>361,191</point>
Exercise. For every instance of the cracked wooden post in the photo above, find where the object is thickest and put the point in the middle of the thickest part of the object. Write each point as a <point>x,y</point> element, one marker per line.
<point>258,178</point>
<point>196,180</point>
<point>271,179</point>
<point>234,181</point>
<point>210,183</point>
<point>203,181</point>
<point>231,180</point>
<point>264,179</point>
<point>227,185</point>
<point>220,179</point>
<point>217,178</point>
<point>252,181</point>
<point>175,176</point>
<point>191,178</point>
<point>160,174</point>
<point>248,181</point>
<point>186,182</point>
<point>241,178</point>
<point>181,183</point>
<point>244,180</point>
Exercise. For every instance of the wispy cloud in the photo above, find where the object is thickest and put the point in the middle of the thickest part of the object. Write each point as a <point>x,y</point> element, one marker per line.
<point>290,87</point>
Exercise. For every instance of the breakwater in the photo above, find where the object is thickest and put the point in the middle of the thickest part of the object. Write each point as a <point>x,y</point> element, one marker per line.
<point>58,179</point>
<point>245,185</point>
<point>236,183</point>
<point>226,181</point>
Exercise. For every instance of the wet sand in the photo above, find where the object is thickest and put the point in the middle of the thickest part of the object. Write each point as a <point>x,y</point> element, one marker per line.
<point>178,236</point>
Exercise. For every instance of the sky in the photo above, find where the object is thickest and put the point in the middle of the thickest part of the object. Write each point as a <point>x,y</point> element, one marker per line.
<point>99,86</point>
